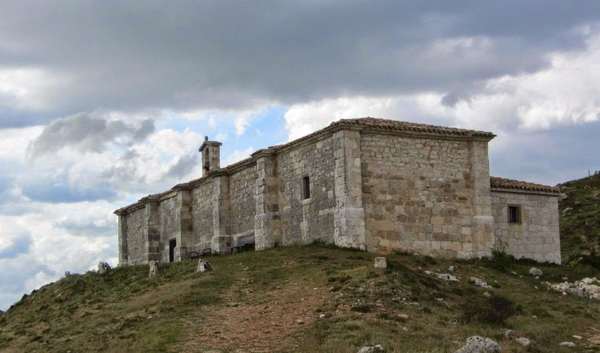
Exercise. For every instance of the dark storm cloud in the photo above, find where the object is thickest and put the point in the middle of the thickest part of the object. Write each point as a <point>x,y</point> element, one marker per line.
<point>88,133</point>
<point>132,55</point>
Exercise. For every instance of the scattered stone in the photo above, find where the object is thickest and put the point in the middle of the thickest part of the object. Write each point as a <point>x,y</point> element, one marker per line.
<point>478,344</point>
<point>203,266</point>
<point>586,288</point>
<point>300,321</point>
<point>372,349</point>
<point>380,263</point>
<point>509,333</point>
<point>577,337</point>
<point>451,269</point>
<point>152,269</point>
<point>567,344</point>
<point>446,277</point>
<point>103,267</point>
<point>534,271</point>
<point>479,282</point>
<point>523,341</point>
<point>487,294</point>
<point>403,317</point>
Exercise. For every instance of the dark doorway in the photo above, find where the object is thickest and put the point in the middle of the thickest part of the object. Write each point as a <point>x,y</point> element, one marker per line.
<point>172,245</point>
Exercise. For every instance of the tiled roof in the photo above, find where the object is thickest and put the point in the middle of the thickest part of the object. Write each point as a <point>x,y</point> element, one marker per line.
<point>502,183</point>
<point>396,125</point>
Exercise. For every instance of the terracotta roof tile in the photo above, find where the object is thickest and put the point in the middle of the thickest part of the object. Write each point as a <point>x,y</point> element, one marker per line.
<point>386,124</point>
<point>502,183</point>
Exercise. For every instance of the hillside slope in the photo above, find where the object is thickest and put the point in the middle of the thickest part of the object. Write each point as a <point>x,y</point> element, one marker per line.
<point>303,299</point>
<point>580,220</point>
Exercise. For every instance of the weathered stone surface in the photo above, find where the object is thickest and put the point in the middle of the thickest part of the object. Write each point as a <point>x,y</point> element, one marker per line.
<point>103,267</point>
<point>203,266</point>
<point>424,195</point>
<point>567,344</point>
<point>586,287</point>
<point>372,349</point>
<point>479,282</point>
<point>152,269</point>
<point>136,243</point>
<point>534,271</point>
<point>523,341</point>
<point>374,185</point>
<point>478,344</point>
<point>537,235</point>
<point>380,263</point>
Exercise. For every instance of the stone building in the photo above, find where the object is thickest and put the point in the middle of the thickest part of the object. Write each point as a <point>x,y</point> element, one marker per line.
<point>371,184</point>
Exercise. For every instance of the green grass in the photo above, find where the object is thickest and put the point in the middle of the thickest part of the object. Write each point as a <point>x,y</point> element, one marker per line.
<point>124,311</point>
<point>580,221</point>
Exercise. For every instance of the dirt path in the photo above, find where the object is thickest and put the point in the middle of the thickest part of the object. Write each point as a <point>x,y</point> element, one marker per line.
<point>265,323</point>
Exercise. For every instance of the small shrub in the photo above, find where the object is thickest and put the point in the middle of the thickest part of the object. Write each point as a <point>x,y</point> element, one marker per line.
<point>501,261</point>
<point>494,310</point>
<point>362,308</point>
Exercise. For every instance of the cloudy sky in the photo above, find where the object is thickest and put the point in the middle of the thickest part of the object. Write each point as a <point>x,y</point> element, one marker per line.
<point>104,102</point>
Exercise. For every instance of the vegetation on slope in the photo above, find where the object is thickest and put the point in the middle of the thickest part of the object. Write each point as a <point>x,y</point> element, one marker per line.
<point>302,299</point>
<point>580,220</point>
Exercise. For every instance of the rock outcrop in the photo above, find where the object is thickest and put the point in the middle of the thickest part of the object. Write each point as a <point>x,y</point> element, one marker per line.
<point>478,344</point>
<point>586,288</point>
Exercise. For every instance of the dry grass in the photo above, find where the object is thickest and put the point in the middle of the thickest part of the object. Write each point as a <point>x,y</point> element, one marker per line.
<point>301,299</point>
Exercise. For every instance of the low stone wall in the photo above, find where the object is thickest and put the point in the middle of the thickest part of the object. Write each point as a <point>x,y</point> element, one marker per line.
<point>537,236</point>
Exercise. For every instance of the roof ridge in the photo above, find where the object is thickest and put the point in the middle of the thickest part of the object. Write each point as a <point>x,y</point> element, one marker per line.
<point>505,183</point>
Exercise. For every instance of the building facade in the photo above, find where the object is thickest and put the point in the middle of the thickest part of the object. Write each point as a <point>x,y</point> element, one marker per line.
<point>371,184</point>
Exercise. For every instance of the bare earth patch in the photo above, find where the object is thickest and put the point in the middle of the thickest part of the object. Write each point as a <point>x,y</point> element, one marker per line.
<point>258,327</point>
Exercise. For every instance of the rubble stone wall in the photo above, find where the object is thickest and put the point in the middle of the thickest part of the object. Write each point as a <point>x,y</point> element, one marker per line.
<point>242,189</point>
<point>537,236</point>
<point>136,242</point>
<point>304,221</point>
<point>202,215</point>
<point>168,225</point>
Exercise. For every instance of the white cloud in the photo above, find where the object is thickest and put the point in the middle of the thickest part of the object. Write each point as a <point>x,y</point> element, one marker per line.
<point>26,88</point>
<point>565,93</point>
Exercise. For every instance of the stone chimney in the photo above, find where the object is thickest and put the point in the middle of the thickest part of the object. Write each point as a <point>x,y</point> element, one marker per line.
<point>211,156</point>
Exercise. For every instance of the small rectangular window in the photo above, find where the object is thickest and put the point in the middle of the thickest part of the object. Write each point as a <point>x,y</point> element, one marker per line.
<point>306,187</point>
<point>514,214</point>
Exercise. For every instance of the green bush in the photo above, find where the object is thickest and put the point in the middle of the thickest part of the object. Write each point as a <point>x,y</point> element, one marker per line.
<point>494,310</point>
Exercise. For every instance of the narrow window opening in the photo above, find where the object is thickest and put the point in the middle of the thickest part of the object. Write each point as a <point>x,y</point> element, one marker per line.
<point>172,246</point>
<point>306,187</point>
<point>514,214</point>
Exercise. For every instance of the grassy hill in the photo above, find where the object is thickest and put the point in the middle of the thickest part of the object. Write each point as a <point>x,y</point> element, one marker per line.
<point>303,299</point>
<point>580,220</point>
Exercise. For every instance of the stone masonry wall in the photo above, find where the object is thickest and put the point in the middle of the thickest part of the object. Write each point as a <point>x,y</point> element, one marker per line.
<point>168,225</point>
<point>418,195</point>
<point>303,221</point>
<point>136,243</point>
<point>242,188</point>
<point>202,216</point>
<point>537,237</point>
